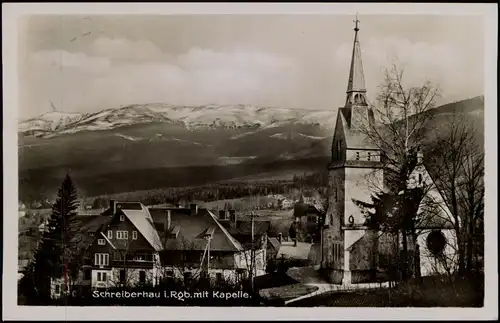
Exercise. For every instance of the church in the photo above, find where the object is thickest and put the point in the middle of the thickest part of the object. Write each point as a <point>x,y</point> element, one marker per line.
<point>350,250</point>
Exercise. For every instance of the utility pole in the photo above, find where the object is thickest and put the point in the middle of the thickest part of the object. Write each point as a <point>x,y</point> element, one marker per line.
<point>252,253</point>
<point>208,256</point>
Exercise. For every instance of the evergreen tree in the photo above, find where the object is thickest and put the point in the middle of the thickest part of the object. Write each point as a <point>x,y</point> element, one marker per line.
<point>54,256</point>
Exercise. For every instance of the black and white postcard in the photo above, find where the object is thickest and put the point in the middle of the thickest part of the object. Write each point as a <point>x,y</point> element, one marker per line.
<point>249,161</point>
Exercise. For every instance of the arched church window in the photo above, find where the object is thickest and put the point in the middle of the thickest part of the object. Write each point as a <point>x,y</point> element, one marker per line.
<point>436,242</point>
<point>357,99</point>
<point>420,178</point>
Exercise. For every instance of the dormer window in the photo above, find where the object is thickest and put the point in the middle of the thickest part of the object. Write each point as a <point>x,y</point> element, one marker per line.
<point>209,233</point>
<point>174,233</point>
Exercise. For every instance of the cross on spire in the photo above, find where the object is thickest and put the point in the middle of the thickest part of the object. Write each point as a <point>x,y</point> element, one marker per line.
<point>356,81</point>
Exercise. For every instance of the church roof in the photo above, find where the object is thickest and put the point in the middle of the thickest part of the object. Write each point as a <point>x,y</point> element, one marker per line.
<point>354,139</point>
<point>356,81</point>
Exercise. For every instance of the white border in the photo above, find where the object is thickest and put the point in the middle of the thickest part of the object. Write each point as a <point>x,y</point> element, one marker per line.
<point>10,14</point>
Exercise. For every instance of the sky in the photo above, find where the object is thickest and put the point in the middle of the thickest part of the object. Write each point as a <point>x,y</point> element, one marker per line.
<point>90,63</point>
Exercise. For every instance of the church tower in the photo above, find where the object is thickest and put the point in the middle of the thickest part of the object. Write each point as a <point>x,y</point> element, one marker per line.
<point>349,248</point>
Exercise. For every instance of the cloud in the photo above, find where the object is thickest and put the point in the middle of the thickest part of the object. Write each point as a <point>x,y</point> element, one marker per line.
<point>121,72</point>
<point>114,72</point>
<point>442,64</point>
<point>124,49</point>
<point>60,59</point>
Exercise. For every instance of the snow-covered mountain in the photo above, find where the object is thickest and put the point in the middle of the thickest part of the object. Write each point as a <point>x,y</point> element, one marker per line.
<point>50,121</point>
<point>191,117</point>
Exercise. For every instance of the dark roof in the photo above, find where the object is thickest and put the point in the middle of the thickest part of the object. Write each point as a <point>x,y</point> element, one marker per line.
<point>245,227</point>
<point>90,223</point>
<point>274,242</point>
<point>129,205</point>
<point>301,209</point>
<point>176,210</point>
<point>192,230</point>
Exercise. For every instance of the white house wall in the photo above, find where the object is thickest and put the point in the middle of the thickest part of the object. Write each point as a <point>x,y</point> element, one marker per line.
<point>132,276</point>
<point>428,263</point>
<point>243,261</point>
<point>100,284</point>
<point>178,273</point>
<point>433,197</point>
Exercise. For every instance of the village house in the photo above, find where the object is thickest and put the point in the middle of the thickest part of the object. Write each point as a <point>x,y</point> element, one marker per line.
<point>350,249</point>
<point>126,249</point>
<point>120,248</point>
<point>197,244</point>
<point>308,218</point>
<point>130,244</point>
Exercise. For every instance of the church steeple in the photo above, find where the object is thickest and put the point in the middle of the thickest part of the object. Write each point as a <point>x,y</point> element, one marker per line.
<point>356,90</point>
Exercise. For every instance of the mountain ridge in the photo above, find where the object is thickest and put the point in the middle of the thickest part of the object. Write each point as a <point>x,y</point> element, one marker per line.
<point>162,146</point>
<point>191,117</point>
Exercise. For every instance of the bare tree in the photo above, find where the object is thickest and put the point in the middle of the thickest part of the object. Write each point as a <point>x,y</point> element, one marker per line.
<point>459,162</point>
<point>398,129</point>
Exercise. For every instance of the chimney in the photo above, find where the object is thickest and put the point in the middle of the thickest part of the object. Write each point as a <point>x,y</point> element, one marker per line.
<point>194,208</point>
<point>112,206</point>
<point>280,237</point>
<point>420,156</point>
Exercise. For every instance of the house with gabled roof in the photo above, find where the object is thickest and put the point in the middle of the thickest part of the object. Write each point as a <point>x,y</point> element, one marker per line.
<point>130,244</point>
<point>124,250</point>
<point>196,244</point>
